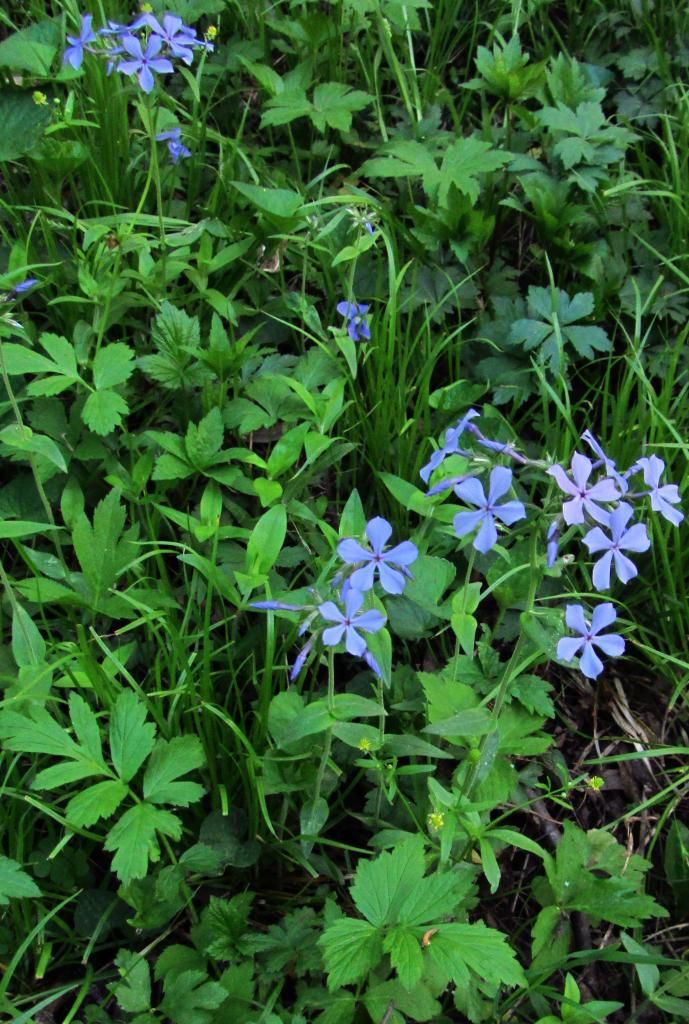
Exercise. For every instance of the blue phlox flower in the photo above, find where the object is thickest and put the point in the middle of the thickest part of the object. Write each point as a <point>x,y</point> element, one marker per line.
<point>584,497</point>
<point>300,660</point>
<point>589,637</point>
<point>552,542</point>
<point>391,565</point>
<point>355,313</point>
<point>24,286</point>
<point>178,37</point>
<point>144,62</point>
<point>175,145</point>
<point>74,54</point>
<point>662,498</point>
<point>635,538</point>
<point>611,469</point>
<point>276,606</point>
<point>369,227</point>
<point>471,492</point>
<point>450,445</point>
<point>349,622</point>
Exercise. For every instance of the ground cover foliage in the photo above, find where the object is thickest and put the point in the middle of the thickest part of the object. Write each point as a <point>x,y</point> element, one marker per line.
<point>343,380</point>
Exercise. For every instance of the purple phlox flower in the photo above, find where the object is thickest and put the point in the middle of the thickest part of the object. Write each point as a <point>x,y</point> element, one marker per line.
<point>373,664</point>
<point>24,286</point>
<point>662,498</point>
<point>116,28</point>
<point>178,37</point>
<point>144,62</point>
<point>369,227</point>
<point>391,565</point>
<point>446,485</point>
<point>276,606</point>
<point>355,313</point>
<point>621,539</point>
<point>449,447</point>
<point>471,491</point>
<point>552,542</point>
<point>74,54</point>
<point>300,659</point>
<point>589,637</point>
<point>584,497</point>
<point>610,467</point>
<point>174,143</point>
<point>348,622</point>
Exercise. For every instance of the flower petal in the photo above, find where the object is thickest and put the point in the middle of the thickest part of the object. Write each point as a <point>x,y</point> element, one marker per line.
<point>581,470</point>
<point>573,511</point>
<point>601,572</point>
<point>351,551</point>
<point>402,554</point>
<point>333,635</point>
<point>636,538</point>
<point>392,581</point>
<point>595,540</point>
<point>653,469</point>
<point>487,536</point>
<point>603,615</point>
<point>510,512</point>
<point>574,617</point>
<point>353,601</point>
<point>624,567</point>
<point>330,612</point>
<point>561,479</point>
<point>345,309</point>
<point>378,531</point>
<point>465,522</point>
<point>370,621</point>
<point>146,79</point>
<point>500,483</point>
<point>363,579</point>
<point>568,647</point>
<point>471,491</point>
<point>589,663</point>
<point>354,643</point>
<point>612,645</point>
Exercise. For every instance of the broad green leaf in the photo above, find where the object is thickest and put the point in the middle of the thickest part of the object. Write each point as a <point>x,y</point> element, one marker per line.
<point>406,957</point>
<point>472,722</point>
<point>288,105</point>
<point>85,725</point>
<point>32,49</point>
<point>463,162</point>
<point>133,839</point>
<point>485,951</point>
<point>103,411</point>
<point>334,104</point>
<point>19,359</point>
<point>204,440</point>
<point>383,884</point>
<point>351,949</point>
<point>39,733</point>
<point>276,202</point>
<point>190,998</point>
<point>267,538</point>
<point>403,159</point>
<point>113,364</point>
<point>434,897</point>
<point>101,551</point>
<point>133,993</point>
<point>22,122</point>
<point>10,528</point>
<point>99,801</point>
<point>28,646</point>
<point>14,882</point>
<point>131,736</point>
<point>169,761</point>
<point>23,439</point>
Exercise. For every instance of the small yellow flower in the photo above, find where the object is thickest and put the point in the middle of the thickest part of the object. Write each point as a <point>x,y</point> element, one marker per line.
<point>365,745</point>
<point>595,783</point>
<point>435,820</point>
<point>146,9</point>
<point>211,32</point>
<point>39,98</point>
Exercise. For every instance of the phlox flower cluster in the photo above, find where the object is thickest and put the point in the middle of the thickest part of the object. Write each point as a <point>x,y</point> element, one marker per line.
<point>144,48</point>
<point>597,496</point>
<point>342,617</point>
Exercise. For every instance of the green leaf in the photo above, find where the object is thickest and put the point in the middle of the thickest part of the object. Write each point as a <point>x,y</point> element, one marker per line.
<point>485,951</point>
<point>103,411</point>
<point>22,438</point>
<point>203,441</point>
<point>266,540</point>
<point>99,801</point>
<point>168,761</point>
<point>404,159</point>
<point>101,553</point>
<point>433,897</point>
<point>21,528</point>
<point>32,49</point>
<point>405,955</point>
<point>383,884</point>
<point>133,993</point>
<point>351,949</point>
<point>131,736</point>
<point>286,107</point>
<point>281,203</point>
<point>28,646</point>
<point>190,998</point>
<point>22,122</point>
<point>463,162</point>
<point>14,882</point>
<point>334,104</point>
<point>134,839</point>
<point>112,365</point>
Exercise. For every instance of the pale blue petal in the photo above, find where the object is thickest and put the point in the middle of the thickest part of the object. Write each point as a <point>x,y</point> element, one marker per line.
<point>353,602</point>
<point>362,579</point>
<point>601,572</point>
<point>354,643</point>
<point>500,483</point>
<point>330,612</point>
<point>574,617</point>
<point>510,512</point>
<point>402,554</point>
<point>612,645</point>
<point>581,470</point>
<point>562,480</point>
<point>487,535</point>
<point>573,512</point>
<point>378,531</point>
<point>595,540</point>
<point>465,522</point>
<point>568,647</point>
<point>603,615</point>
<point>370,621</point>
<point>392,581</point>
<point>333,635</point>
<point>471,491</point>
<point>636,538</point>
<point>351,551</point>
<point>624,567</point>
<point>589,663</point>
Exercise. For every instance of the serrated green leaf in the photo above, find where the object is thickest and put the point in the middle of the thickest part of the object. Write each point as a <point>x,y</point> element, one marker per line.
<point>383,884</point>
<point>404,159</point>
<point>133,993</point>
<point>28,646</point>
<point>103,411</point>
<point>483,950</point>
<point>286,107</point>
<point>134,840</point>
<point>462,164</point>
<point>190,998</point>
<point>14,882</point>
<point>334,103</point>
<point>101,552</point>
<point>131,736</point>
<point>433,897</point>
<point>113,364</point>
<point>168,761</point>
<point>351,949</point>
<point>22,438</point>
<point>204,440</point>
<point>86,729</point>
<point>405,953</point>
<point>99,801</point>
